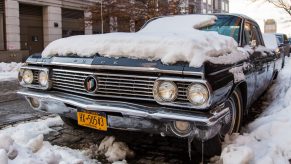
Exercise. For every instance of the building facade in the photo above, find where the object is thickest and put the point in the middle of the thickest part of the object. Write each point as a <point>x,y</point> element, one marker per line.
<point>27,26</point>
<point>270,26</point>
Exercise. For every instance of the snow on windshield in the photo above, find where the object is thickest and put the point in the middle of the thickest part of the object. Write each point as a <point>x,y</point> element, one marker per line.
<point>169,39</point>
<point>179,23</point>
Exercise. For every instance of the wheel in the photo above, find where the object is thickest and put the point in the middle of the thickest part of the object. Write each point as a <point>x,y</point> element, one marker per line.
<point>70,122</point>
<point>212,146</point>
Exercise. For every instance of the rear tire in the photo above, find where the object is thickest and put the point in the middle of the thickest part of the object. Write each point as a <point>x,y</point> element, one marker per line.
<point>212,146</point>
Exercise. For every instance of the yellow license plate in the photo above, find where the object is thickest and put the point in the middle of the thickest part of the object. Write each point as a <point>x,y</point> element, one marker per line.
<point>92,120</point>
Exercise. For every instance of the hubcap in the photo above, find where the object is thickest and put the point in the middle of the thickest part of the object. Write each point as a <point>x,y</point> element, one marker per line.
<point>229,126</point>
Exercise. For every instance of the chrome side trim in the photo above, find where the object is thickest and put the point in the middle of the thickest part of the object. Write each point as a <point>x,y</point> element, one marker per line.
<point>127,109</point>
<point>120,68</point>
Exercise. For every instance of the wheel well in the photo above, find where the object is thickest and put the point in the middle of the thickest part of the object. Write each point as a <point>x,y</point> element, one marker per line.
<point>243,89</point>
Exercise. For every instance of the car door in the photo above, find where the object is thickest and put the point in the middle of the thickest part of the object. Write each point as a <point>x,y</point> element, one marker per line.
<point>258,58</point>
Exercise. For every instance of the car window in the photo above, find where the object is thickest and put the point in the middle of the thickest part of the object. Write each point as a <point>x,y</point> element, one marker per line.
<point>226,25</point>
<point>285,38</point>
<point>251,33</point>
<point>280,38</point>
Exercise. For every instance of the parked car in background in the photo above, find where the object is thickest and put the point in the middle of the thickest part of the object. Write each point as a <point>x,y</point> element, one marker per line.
<point>272,42</point>
<point>204,103</point>
<point>284,43</point>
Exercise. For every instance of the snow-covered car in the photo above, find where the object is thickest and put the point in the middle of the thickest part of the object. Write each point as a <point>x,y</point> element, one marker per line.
<point>284,43</point>
<point>272,42</point>
<point>190,76</point>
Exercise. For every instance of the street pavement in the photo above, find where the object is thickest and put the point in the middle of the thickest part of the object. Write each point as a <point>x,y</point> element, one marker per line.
<point>149,149</point>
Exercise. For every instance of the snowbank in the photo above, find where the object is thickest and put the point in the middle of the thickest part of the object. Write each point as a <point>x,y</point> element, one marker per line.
<point>169,39</point>
<point>9,71</point>
<point>267,140</point>
<point>25,143</point>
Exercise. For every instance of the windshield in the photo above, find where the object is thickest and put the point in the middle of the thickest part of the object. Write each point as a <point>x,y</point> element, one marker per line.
<point>226,25</point>
<point>280,39</point>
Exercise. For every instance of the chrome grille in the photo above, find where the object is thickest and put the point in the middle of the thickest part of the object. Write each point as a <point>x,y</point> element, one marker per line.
<point>127,86</point>
<point>109,85</point>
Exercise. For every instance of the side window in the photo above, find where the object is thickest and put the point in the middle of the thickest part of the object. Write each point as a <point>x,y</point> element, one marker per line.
<point>256,36</point>
<point>251,33</point>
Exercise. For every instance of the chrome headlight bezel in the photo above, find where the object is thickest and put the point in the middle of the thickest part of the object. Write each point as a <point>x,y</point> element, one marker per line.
<point>41,76</point>
<point>156,91</point>
<point>34,84</point>
<point>182,100</point>
<point>27,73</point>
<point>205,93</point>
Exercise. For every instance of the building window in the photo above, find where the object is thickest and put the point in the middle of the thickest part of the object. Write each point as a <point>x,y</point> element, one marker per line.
<point>209,2</point>
<point>223,6</point>
<point>204,1</point>
<point>226,7</point>
<point>72,22</point>
<point>2,25</point>
<point>204,11</point>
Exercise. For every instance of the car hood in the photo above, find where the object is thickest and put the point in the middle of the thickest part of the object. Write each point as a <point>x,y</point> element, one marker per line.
<point>105,62</point>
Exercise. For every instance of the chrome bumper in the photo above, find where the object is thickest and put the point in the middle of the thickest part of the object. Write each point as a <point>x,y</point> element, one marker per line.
<point>60,103</point>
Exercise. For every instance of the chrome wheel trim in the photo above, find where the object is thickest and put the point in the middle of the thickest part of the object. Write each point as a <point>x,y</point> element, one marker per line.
<point>231,127</point>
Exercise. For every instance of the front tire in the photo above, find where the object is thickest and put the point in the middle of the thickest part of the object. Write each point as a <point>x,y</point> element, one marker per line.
<point>212,146</point>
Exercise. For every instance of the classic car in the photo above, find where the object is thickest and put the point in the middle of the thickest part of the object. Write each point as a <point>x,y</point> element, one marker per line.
<point>272,43</point>
<point>202,104</point>
<point>284,43</point>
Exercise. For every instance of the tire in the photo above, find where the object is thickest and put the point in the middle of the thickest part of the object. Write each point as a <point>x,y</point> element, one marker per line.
<point>212,146</point>
<point>70,122</point>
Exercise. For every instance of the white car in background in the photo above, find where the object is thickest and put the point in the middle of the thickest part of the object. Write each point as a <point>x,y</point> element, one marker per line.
<point>272,42</point>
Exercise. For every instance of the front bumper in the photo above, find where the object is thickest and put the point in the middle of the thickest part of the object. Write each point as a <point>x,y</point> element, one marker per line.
<point>130,116</point>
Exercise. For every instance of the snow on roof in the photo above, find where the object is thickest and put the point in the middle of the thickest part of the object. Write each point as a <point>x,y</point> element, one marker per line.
<point>270,41</point>
<point>169,39</point>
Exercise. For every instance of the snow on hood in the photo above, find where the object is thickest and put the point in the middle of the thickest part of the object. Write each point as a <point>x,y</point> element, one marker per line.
<point>169,39</point>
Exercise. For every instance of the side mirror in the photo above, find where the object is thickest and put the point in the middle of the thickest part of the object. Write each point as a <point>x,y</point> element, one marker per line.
<point>253,43</point>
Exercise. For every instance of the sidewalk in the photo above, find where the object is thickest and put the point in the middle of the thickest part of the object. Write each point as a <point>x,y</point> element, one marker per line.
<point>8,89</point>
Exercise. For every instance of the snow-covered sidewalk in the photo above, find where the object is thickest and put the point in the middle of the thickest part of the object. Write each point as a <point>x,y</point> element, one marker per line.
<point>9,71</point>
<point>266,140</point>
<point>24,143</point>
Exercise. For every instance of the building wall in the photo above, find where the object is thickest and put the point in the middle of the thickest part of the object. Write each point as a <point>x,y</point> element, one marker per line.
<point>10,31</point>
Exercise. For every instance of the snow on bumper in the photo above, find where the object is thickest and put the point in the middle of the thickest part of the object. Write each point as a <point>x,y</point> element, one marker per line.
<point>130,116</point>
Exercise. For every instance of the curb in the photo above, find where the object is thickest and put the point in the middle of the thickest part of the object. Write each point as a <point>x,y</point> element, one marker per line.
<point>8,89</point>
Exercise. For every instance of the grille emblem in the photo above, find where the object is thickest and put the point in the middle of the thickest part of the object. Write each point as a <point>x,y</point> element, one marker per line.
<point>91,84</point>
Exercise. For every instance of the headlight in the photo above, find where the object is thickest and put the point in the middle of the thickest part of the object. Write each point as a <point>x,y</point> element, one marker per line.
<point>27,76</point>
<point>197,94</point>
<point>43,78</point>
<point>165,91</point>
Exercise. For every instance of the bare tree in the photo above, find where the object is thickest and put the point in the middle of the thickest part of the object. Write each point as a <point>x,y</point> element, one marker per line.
<point>282,4</point>
<point>131,12</point>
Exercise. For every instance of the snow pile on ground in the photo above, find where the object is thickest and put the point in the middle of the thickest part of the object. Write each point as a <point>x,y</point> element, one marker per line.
<point>9,71</point>
<point>169,39</point>
<point>267,140</point>
<point>114,151</point>
<point>25,143</point>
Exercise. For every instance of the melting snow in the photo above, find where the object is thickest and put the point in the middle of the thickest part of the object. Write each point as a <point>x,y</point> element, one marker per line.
<point>267,140</point>
<point>9,71</point>
<point>25,143</point>
<point>179,41</point>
